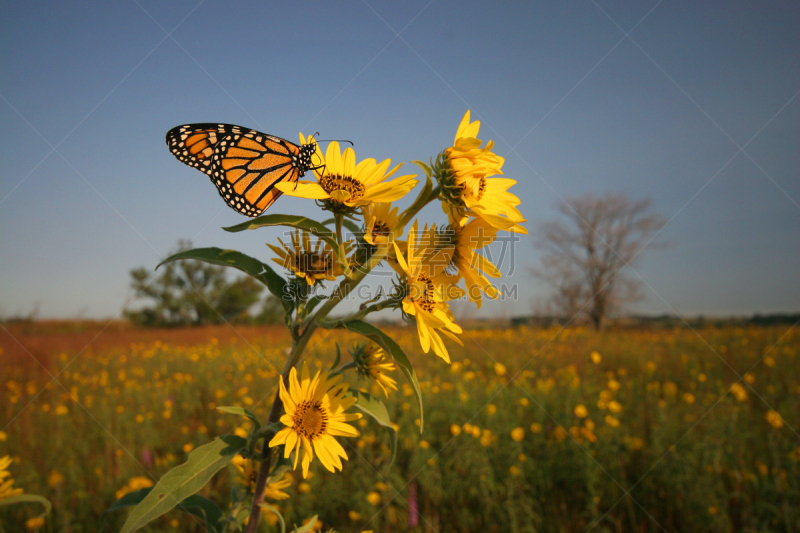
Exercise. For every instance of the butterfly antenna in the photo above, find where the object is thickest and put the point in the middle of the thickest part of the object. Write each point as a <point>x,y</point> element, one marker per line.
<point>335,140</point>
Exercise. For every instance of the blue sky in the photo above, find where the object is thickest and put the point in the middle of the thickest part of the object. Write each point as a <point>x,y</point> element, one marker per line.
<point>694,105</point>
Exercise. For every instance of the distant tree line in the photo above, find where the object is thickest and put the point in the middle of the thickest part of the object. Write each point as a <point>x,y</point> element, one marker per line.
<point>194,293</point>
<point>669,321</point>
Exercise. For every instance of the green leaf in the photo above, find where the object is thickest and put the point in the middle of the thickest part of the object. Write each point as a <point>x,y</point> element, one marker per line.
<point>195,504</point>
<point>392,348</point>
<point>426,168</point>
<point>234,410</point>
<point>129,500</point>
<point>202,507</point>
<point>308,527</point>
<point>249,265</point>
<point>293,221</point>
<point>377,410</point>
<point>338,357</point>
<point>28,498</point>
<point>184,480</point>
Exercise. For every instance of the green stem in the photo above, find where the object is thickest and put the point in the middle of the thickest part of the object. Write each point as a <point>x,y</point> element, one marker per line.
<point>407,216</point>
<point>358,315</point>
<point>341,252</point>
<point>345,367</point>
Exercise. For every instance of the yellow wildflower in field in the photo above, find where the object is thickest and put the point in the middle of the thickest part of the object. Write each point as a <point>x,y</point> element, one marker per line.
<point>637,443</point>
<point>466,186</point>
<point>536,427</point>
<point>274,490</point>
<point>613,385</point>
<point>342,184</point>
<point>580,411</point>
<point>500,369</point>
<point>374,498</point>
<point>688,397</point>
<point>32,524</point>
<point>595,357</point>
<point>247,472</point>
<point>315,414</point>
<point>6,481</point>
<point>134,484</point>
<point>518,434</point>
<point>54,479</point>
<point>614,406</point>
<point>428,289</point>
<point>312,263</point>
<point>612,422</point>
<point>670,388</point>
<point>750,378</point>
<point>775,419</point>
<point>738,390</point>
<point>372,363</point>
<point>455,430</point>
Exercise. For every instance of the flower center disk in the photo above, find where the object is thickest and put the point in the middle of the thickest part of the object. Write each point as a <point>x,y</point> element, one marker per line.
<point>310,419</point>
<point>426,301</point>
<point>380,229</point>
<point>313,263</point>
<point>336,182</point>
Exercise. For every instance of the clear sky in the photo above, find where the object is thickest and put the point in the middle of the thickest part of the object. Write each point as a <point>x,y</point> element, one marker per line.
<point>693,104</point>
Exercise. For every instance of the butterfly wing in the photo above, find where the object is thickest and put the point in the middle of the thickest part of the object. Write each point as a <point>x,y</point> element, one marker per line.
<point>243,164</point>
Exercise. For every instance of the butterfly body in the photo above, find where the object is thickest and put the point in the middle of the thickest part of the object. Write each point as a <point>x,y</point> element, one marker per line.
<point>243,164</point>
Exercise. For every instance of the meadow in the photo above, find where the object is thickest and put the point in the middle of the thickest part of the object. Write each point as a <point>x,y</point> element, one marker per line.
<point>528,430</point>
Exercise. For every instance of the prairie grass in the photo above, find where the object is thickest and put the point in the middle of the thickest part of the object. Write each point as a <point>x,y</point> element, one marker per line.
<point>528,429</point>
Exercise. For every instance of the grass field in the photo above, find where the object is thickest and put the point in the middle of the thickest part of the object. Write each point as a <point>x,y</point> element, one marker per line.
<point>527,430</point>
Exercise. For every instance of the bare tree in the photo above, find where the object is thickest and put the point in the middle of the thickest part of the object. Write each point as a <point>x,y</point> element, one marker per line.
<point>586,252</point>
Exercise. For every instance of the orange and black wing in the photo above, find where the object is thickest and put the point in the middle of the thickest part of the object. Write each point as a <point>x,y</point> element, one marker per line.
<point>243,164</point>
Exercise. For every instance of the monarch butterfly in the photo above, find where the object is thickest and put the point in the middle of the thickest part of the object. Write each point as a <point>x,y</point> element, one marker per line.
<point>243,164</point>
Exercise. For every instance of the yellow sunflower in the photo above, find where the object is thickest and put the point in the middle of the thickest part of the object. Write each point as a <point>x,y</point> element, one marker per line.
<point>372,363</point>
<point>315,414</point>
<point>428,288</point>
<point>380,223</point>
<point>309,262</point>
<point>7,489</point>
<point>470,265</point>
<point>463,171</point>
<point>247,473</point>
<point>342,184</point>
